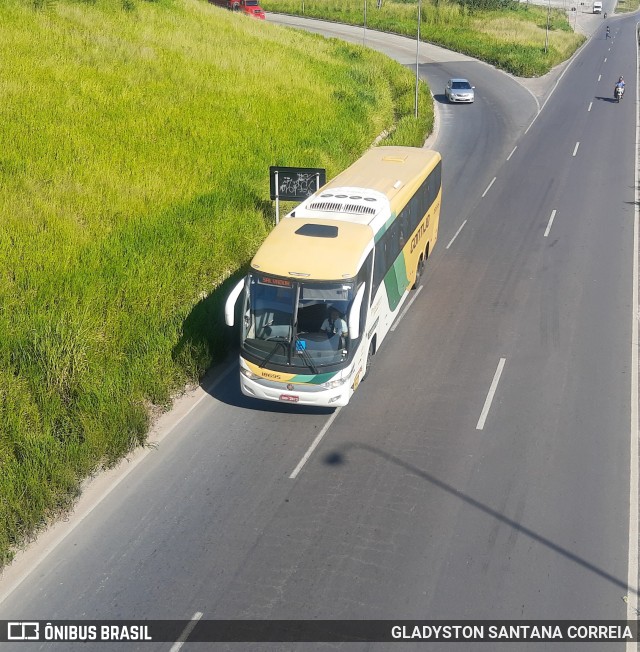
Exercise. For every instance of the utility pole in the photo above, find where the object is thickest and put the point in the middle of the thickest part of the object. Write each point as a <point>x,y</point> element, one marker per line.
<point>418,52</point>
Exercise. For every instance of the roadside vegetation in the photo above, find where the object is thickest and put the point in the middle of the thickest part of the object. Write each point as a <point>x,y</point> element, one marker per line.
<point>135,149</point>
<point>626,6</point>
<point>510,35</point>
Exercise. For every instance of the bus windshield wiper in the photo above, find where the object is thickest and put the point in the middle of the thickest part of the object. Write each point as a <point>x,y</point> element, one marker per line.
<point>278,344</point>
<point>300,347</point>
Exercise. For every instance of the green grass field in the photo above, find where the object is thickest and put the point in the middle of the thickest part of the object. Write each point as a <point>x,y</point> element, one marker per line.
<point>135,149</point>
<point>626,6</point>
<point>511,37</point>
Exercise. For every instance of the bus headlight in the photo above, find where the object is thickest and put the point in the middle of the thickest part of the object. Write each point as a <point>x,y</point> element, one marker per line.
<point>336,382</point>
<point>249,374</point>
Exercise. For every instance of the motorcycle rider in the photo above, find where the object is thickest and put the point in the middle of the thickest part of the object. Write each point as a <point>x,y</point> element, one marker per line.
<point>619,85</point>
<point>608,34</point>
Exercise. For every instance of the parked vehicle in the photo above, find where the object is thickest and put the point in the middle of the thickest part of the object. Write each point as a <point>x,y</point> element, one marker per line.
<point>597,7</point>
<point>459,90</point>
<point>248,7</point>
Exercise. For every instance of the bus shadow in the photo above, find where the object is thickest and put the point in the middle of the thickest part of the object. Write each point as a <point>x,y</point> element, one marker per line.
<point>339,456</point>
<point>223,384</point>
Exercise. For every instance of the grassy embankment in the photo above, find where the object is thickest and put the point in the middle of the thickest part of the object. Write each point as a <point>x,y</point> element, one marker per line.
<point>626,6</point>
<point>134,154</point>
<point>511,38</point>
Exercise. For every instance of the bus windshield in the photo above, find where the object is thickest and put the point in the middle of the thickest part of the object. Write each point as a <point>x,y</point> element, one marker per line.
<point>297,324</point>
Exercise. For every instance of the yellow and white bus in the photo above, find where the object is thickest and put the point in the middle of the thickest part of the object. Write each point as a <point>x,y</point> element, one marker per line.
<point>329,280</point>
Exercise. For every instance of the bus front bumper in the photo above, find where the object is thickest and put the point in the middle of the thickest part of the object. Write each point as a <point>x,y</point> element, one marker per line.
<point>299,395</point>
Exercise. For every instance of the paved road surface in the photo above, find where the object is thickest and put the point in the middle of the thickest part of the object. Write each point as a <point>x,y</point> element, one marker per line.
<point>424,499</point>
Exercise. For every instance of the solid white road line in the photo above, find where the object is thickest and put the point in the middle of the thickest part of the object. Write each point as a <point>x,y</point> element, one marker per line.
<point>632,564</point>
<point>562,74</point>
<point>491,394</point>
<point>185,633</point>
<point>316,441</point>
<point>489,186</point>
<point>456,235</point>
<point>575,149</point>
<point>93,495</point>
<point>553,214</point>
<point>404,312</point>
<point>512,151</point>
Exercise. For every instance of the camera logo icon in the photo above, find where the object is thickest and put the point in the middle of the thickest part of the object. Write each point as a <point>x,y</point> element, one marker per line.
<point>23,631</point>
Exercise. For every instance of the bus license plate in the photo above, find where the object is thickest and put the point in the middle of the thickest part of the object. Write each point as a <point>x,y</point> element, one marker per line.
<point>289,397</point>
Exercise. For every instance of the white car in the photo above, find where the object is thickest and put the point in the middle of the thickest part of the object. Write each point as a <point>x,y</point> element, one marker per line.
<point>459,90</point>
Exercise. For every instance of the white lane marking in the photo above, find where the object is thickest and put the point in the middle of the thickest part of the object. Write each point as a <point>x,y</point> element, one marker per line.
<point>575,149</point>
<point>605,59</point>
<point>526,131</point>
<point>632,564</point>
<point>553,214</point>
<point>489,186</point>
<point>491,394</point>
<point>185,633</point>
<point>599,77</point>
<point>590,105</point>
<point>316,441</point>
<point>456,235</point>
<point>46,543</point>
<point>404,312</point>
<point>512,151</point>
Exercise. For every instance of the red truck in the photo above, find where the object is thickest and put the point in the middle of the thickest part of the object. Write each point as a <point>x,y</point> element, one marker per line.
<point>247,7</point>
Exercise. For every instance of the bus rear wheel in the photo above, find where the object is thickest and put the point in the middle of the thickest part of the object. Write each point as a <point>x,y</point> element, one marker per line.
<point>419,271</point>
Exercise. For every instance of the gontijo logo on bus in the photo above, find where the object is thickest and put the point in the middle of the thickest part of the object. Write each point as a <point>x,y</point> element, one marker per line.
<point>422,229</point>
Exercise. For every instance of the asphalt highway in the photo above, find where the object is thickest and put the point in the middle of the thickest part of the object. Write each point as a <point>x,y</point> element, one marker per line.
<point>481,472</point>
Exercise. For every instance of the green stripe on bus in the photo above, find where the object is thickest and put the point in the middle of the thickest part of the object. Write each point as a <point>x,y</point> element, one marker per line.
<point>385,228</point>
<point>396,282</point>
<point>318,379</point>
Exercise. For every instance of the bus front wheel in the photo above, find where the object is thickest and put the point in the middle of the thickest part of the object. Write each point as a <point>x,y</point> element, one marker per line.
<point>370,354</point>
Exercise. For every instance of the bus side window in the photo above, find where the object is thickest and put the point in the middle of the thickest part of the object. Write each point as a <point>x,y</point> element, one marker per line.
<point>364,277</point>
<point>404,227</point>
<point>393,247</point>
<point>378,268</point>
<point>414,214</point>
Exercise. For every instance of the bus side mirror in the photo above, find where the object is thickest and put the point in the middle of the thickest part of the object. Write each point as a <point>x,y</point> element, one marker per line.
<point>354,314</point>
<point>230,305</point>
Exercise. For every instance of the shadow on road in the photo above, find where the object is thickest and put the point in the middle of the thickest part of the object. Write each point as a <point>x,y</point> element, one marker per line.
<point>441,98</point>
<point>226,388</point>
<point>339,456</point>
